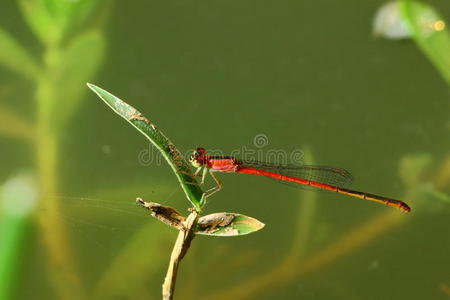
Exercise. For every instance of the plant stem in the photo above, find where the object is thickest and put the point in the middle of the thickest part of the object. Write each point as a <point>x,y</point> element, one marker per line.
<point>182,170</point>
<point>66,281</point>
<point>180,248</point>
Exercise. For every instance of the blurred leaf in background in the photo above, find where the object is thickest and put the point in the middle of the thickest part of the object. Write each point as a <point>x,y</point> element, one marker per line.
<point>81,60</point>
<point>422,23</point>
<point>14,57</point>
<point>53,20</point>
<point>72,51</point>
<point>18,199</point>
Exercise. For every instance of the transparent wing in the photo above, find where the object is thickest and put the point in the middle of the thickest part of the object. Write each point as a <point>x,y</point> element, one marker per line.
<point>328,175</point>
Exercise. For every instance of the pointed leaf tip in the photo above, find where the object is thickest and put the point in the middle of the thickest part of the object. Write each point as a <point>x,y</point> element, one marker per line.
<point>172,155</point>
<point>92,86</point>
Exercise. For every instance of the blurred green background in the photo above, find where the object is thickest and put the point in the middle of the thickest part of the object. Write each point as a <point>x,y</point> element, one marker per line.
<point>308,75</point>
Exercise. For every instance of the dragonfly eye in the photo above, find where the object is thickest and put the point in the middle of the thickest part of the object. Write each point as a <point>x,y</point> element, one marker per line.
<point>194,159</point>
<point>200,151</point>
<point>195,155</point>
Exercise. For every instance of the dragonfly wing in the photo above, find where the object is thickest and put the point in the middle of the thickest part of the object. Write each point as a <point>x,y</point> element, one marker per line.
<point>328,175</point>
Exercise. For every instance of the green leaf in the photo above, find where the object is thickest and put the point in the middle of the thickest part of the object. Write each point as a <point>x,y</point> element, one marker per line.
<point>40,20</point>
<point>14,57</point>
<point>412,168</point>
<point>79,63</point>
<point>50,20</point>
<point>439,195</point>
<point>179,165</point>
<point>69,14</point>
<point>65,9</point>
<point>18,198</point>
<point>429,31</point>
<point>227,224</point>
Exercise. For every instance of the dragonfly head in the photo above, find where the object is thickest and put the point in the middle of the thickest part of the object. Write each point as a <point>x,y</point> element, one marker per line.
<point>197,157</point>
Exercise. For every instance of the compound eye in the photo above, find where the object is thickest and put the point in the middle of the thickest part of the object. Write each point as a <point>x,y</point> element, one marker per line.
<point>201,151</point>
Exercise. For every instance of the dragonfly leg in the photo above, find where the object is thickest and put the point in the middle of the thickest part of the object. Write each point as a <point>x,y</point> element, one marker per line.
<point>215,189</point>
<point>197,171</point>
<point>205,172</point>
<point>193,177</point>
<point>191,183</point>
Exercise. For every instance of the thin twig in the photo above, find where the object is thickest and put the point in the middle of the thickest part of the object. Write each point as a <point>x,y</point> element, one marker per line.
<point>179,250</point>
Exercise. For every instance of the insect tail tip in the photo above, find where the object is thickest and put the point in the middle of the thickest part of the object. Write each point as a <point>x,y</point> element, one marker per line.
<point>404,207</point>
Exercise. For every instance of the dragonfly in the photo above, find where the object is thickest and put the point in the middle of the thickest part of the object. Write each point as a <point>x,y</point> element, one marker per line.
<point>316,177</point>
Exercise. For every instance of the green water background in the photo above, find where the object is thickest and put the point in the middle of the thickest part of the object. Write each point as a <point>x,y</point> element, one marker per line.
<point>309,76</point>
